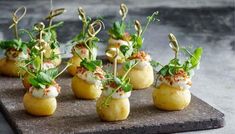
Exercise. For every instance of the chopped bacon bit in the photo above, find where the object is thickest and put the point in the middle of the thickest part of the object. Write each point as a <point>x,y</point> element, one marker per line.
<point>58,88</point>
<point>99,73</point>
<point>179,75</point>
<point>46,91</point>
<point>189,83</point>
<point>30,90</point>
<point>113,85</point>
<point>81,70</point>
<point>12,52</point>
<point>141,56</point>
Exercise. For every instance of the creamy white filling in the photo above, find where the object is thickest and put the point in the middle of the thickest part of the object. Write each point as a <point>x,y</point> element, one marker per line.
<point>116,95</point>
<point>180,82</point>
<point>50,92</point>
<point>21,56</point>
<point>142,64</point>
<point>47,65</point>
<point>90,78</point>
<point>84,52</point>
<point>121,42</point>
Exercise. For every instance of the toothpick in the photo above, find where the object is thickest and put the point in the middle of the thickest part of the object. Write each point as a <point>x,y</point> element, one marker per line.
<point>115,63</point>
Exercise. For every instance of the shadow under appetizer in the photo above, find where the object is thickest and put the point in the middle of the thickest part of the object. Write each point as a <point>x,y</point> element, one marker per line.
<point>142,75</point>
<point>82,43</point>
<point>40,98</point>
<point>174,79</point>
<point>114,105</point>
<point>119,37</point>
<point>86,83</point>
<point>15,50</point>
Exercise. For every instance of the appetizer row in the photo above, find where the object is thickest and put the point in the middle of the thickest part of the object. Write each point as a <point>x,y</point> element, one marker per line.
<point>37,61</point>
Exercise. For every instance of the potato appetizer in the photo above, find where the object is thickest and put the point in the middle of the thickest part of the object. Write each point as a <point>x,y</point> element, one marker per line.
<point>114,105</point>
<point>141,76</point>
<point>119,38</point>
<point>174,79</point>
<point>86,84</point>
<point>172,92</point>
<point>85,43</point>
<point>15,49</point>
<point>118,109</point>
<point>41,102</point>
<point>40,99</point>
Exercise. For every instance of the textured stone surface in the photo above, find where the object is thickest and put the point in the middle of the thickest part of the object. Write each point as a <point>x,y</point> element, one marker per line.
<point>206,23</point>
<point>79,116</point>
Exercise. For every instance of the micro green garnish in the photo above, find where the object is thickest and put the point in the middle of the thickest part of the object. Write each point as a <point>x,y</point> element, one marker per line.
<point>40,77</point>
<point>48,39</point>
<point>17,43</point>
<point>91,65</point>
<point>138,37</point>
<point>119,28</point>
<point>121,81</point>
<point>174,65</point>
<point>50,32</point>
<point>87,36</point>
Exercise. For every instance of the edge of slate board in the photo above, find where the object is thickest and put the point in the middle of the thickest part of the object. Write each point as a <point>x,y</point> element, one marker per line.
<point>217,122</point>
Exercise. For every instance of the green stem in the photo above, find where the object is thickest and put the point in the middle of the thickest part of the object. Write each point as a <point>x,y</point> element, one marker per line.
<point>62,71</point>
<point>109,97</point>
<point>50,23</point>
<point>129,70</point>
<point>53,26</point>
<point>87,46</point>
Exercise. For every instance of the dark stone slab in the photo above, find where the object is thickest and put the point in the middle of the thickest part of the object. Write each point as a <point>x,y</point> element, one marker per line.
<point>79,116</point>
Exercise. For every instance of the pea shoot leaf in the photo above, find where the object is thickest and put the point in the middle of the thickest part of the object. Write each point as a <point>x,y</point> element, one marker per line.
<point>118,30</point>
<point>91,65</point>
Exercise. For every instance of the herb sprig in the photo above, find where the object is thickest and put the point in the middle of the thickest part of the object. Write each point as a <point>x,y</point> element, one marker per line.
<point>120,81</point>
<point>16,43</point>
<point>174,65</point>
<point>87,37</point>
<point>39,76</point>
<point>119,27</point>
<point>138,38</point>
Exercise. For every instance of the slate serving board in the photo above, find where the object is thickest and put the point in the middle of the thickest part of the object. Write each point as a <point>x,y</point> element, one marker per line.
<point>79,116</point>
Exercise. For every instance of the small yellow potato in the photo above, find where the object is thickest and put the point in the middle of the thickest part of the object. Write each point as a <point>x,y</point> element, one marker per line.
<point>75,61</point>
<point>39,106</point>
<point>84,90</point>
<point>57,61</point>
<point>170,98</point>
<point>139,78</point>
<point>25,81</point>
<point>117,110</point>
<point>10,68</point>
